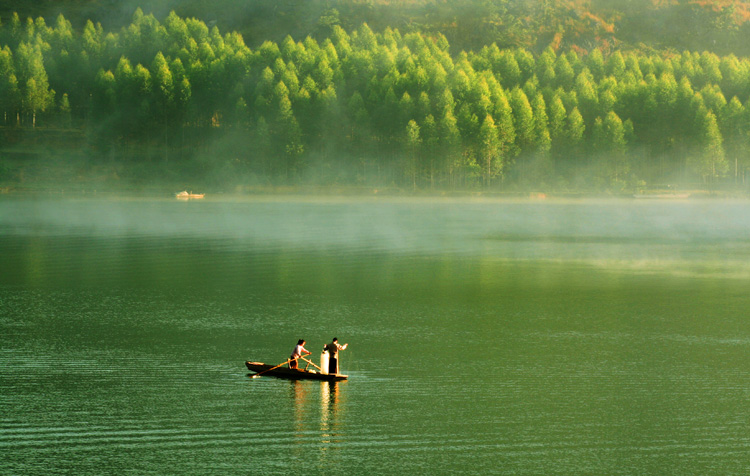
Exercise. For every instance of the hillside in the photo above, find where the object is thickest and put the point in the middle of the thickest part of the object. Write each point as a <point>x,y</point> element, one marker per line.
<point>719,26</point>
<point>567,107</point>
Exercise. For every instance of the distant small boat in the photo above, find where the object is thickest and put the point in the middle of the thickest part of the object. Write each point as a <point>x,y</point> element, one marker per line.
<point>292,374</point>
<point>184,195</point>
<point>663,195</point>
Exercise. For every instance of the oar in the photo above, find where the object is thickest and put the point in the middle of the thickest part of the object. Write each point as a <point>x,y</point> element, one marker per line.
<point>261,373</point>
<point>309,362</point>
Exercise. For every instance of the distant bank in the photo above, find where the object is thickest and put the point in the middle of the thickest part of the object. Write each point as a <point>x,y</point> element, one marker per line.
<point>76,175</point>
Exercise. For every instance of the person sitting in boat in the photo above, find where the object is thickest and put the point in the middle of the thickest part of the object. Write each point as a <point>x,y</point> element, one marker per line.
<point>299,351</point>
<point>333,355</point>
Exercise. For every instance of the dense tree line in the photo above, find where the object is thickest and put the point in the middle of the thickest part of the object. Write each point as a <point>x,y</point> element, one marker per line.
<point>720,26</point>
<point>378,107</point>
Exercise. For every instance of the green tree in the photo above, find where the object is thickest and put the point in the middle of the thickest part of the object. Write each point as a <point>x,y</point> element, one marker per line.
<point>62,37</point>
<point>610,142</point>
<point>176,30</point>
<point>523,119</point>
<point>359,124</point>
<point>10,95</point>
<point>526,63</point>
<point>504,124</point>
<point>164,92</point>
<point>327,21</point>
<point>92,41</point>
<point>489,150</point>
<point>450,144</point>
<point>36,95</point>
<point>103,104</point>
<point>615,65</point>
<point>540,168</point>
<point>445,101</point>
<point>262,148</point>
<point>289,135</point>
<point>423,106</point>
<point>182,93</point>
<point>734,126</point>
<point>557,117</point>
<point>545,68</point>
<point>542,136</point>
<point>595,63</point>
<point>406,108</point>
<point>573,141</point>
<point>710,162</point>
<point>564,73</point>
<point>430,146</point>
<point>710,68</point>
<point>508,69</point>
<point>587,96</point>
<point>413,142</point>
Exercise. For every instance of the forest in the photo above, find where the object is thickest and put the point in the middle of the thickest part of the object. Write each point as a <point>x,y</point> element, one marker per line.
<point>374,107</point>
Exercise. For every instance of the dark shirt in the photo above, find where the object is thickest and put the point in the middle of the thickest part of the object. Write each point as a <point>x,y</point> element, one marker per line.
<point>333,349</point>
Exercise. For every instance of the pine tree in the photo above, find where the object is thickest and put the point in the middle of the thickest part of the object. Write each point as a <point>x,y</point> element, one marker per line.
<point>450,143</point>
<point>430,146</point>
<point>523,119</point>
<point>10,95</point>
<point>710,162</point>
<point>733,124</point>
<point>557,117</point>
<point>489,150</point>
<point>413,142</point>
<point>36,95</point>
<point>542,137</point>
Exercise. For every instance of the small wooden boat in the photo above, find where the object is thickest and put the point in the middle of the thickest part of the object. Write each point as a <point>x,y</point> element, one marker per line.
<point>292,374</point>
<point>184,195</point>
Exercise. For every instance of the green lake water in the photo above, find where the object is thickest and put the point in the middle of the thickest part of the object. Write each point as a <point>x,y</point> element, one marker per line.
<point>485,336</point>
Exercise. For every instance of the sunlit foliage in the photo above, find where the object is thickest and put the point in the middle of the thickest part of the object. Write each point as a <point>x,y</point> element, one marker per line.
<point>369,107</point>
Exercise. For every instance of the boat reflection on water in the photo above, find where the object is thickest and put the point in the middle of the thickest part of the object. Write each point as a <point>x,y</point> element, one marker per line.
<point>331,411</point>
<point>301,407</point>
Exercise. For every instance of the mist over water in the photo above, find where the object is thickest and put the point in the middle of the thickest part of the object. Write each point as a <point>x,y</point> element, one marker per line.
<point>624,233</point>
<point>486,336</point>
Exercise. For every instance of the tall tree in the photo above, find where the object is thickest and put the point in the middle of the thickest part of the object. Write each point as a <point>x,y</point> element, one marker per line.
<point>523,119</point>
<point>734,126</point>
<point>430,146</point>
<point>164,91</point>
<point>609,139</point>
<point>710,161</point>
<point>450,142</point>
<point>412,142</point>
<point>36,95</point>
<point>542,137</point>
<point>489,150</point>
<point>10,95</point>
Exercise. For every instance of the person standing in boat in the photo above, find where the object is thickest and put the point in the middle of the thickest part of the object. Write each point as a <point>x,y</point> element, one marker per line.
<point>333,355</point>
<point>299,351</point>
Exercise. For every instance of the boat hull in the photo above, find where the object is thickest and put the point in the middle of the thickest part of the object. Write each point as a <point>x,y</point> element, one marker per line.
<point>292,374</point>
<point>186,196</point>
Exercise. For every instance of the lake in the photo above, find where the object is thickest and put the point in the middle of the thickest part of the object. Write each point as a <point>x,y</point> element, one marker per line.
<point>485,336</point>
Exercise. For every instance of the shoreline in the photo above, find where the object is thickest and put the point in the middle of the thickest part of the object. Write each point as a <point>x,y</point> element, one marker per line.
<point>341,191</point>
<point>75,176</point>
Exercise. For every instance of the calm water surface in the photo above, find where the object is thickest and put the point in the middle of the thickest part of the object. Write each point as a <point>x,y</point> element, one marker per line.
<point>486,337</point>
